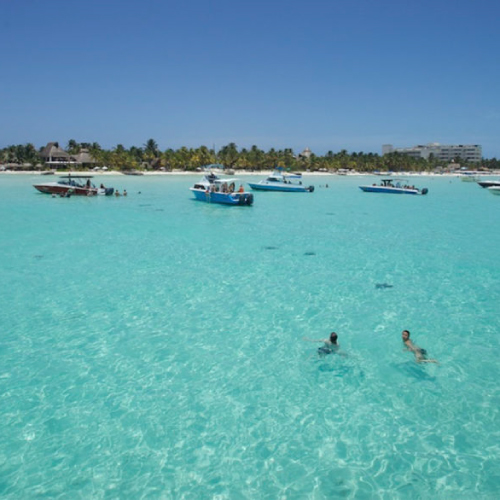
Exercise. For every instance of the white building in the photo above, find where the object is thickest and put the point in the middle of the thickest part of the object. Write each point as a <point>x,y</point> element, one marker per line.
<point>445,153</point>
<point>306,153</point>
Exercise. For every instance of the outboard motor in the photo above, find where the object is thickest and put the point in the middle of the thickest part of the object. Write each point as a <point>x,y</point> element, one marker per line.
<point>109,191</point>
<point>246,199</point>
<point>425,191</point>
<point>311,189</point>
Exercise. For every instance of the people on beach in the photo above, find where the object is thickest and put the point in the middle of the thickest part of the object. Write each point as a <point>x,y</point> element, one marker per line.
<point>331,345</point>
<point>420,354</point>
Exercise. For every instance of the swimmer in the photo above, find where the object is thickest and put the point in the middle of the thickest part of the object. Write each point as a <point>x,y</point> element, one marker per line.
<point>420,354</point>
<point>331,346</point>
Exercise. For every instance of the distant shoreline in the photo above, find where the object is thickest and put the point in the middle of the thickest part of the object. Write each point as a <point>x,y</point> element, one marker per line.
<point>262,173</point>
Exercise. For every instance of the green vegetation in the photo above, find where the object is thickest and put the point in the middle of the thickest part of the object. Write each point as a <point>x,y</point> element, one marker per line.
<point>149,157</point>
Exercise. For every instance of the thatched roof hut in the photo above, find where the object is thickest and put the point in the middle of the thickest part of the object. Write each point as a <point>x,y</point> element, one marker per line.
<point>85,158</point>
<point>52,152</point>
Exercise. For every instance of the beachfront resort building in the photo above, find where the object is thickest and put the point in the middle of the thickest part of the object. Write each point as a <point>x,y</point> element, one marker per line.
<point>55,157</point>
<point>445,153</point>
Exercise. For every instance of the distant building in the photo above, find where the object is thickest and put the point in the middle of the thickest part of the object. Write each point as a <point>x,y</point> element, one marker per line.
<point>466,152</point>
<point>306,153</point>
<point>55,157</point>
<point>85,159</point>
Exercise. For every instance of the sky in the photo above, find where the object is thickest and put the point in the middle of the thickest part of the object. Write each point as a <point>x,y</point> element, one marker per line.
<point>323,74</point>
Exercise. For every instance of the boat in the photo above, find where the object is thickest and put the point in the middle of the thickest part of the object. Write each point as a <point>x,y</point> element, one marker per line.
<point>394,186</point>
<point>79,185</point>
<point>487,184</point>
<point>214,189</point>
<point>469,176</point>
<point>494,189</point>
<point>278,181</point>
<point>132,172</point>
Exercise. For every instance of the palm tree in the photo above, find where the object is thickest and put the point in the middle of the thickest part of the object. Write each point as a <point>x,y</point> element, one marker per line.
<point>73,147</point>
<point>151,152</point>
<point>228,155</point>
<point>256,157</point>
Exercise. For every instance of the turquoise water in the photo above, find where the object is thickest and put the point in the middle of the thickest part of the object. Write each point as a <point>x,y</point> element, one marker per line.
<point>152,346</point>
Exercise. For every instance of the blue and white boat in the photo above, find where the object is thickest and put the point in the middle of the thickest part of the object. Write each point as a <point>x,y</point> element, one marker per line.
<point>213,189</point>
<point>393,186</point>
<point>278,181</point>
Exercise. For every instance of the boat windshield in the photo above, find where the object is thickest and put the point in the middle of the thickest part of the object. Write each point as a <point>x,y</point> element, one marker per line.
<point>76,181</point>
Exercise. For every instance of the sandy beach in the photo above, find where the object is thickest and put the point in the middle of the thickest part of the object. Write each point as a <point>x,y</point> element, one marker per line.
<point>249,173</point>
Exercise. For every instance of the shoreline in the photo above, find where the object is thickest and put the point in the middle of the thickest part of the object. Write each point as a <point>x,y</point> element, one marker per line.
<point>247,173</point>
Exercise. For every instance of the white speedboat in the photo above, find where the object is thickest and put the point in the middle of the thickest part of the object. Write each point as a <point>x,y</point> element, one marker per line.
<point>469,176</point>
<point>487,184</point>
<point>494,189</point>
<point>79,185</point>
<point>393,186</point>
<point>213,189</point>
<point>279,181</point>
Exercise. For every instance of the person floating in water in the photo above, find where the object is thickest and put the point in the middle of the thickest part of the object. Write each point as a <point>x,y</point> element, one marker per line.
<point>331,345</point>
<point>420,354</point>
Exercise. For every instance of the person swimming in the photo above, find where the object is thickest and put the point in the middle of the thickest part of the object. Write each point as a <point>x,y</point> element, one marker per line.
<point>420,354</point>
<point>331,345</point>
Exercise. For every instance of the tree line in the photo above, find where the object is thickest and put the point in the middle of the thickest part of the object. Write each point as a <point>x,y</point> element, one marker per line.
<point>150,157</point>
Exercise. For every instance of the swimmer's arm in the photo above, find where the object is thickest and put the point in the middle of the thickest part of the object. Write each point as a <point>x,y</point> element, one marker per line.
<point>428,361</point>
<point>313,340</point>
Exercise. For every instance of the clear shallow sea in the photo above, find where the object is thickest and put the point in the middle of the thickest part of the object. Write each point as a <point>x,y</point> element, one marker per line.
<point>151,346</point>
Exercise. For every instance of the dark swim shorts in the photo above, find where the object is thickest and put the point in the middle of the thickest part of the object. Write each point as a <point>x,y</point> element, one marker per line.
<point>323,351</point>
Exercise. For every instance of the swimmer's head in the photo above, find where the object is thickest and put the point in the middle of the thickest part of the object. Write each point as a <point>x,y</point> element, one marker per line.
<point>405,334</point>
<point>333,338</point>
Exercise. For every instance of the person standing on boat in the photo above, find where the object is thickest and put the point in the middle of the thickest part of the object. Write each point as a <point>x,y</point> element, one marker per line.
<point>420,354</point>
<point>331,345</point>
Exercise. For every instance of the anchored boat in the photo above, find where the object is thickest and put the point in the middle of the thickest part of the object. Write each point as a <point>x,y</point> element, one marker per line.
<point>393,186</point>
<point>214,189</point>
<point>80,185</point>
<point>278,181</point>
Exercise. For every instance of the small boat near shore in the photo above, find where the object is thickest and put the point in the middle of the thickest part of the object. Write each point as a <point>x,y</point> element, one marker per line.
<point>132,172</point>
<point>393,186</point>
<point>79,185</point>
<point>469,176</point>
<point>278,181</point>
<point>214,189</point>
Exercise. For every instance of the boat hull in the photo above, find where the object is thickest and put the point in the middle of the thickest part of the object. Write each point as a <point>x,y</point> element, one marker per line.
<point>241,199</point>
<point>61,189</point>
<point>391,190</point>
<point>264,186</point>
<point>487,184</point>
<point>494,190</point>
